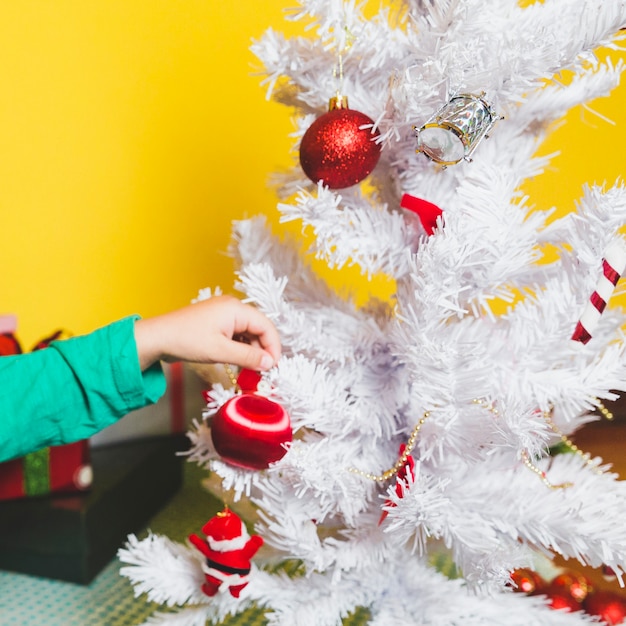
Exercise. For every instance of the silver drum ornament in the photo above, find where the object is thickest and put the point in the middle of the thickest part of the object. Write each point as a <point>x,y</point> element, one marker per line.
<point>455,130</point>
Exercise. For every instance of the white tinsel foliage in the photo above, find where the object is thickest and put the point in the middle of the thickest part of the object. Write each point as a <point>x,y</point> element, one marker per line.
<point>177,580</point>
<point>399,590</point>
<point>480,394</point>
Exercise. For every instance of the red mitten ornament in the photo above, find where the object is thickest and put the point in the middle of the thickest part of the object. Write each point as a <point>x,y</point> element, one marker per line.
<point>250,430</point>
<point>336,149</point>
<point>426,211</point>
<point>228,549</point>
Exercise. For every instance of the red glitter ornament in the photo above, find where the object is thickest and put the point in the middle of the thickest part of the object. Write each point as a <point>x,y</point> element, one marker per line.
<point>609,606</point>
<point>337,150</point>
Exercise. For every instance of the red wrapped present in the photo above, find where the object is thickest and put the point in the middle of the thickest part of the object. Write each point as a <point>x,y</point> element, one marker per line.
<point>56,469</point>
<point>8,341</point>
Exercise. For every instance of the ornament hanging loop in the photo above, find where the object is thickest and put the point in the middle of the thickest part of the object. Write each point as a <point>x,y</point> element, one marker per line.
<point>338,102</point>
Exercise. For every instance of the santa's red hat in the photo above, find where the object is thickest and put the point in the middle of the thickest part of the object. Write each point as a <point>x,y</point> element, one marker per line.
<point>226,532</point>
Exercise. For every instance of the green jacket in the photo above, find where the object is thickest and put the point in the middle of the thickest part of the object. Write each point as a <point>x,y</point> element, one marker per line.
<point>73,389</point>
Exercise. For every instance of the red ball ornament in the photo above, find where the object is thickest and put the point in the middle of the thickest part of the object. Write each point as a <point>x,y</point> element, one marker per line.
<point>609,606</point>
<point>251,431</point>
<point>336,150</point>
<point>562,600</point>
<point>574,584</point>
<point>525,580</point>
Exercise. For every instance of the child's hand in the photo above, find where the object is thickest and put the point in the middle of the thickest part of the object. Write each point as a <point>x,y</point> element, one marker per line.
<point>219,330</point>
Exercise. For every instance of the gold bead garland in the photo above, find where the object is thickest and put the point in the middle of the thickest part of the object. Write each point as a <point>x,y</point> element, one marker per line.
<point>483,403</point>
<point>264,388</point>
<point>604,411</point>
<point>401,462</point>
<point>564,440</point>
<point>585,456</point>
<point>231,376</point>
<point>542,475</point>
<point>525,456</point>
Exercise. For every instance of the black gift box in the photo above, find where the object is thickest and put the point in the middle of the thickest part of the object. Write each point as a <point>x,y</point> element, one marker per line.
<point>73,537</point>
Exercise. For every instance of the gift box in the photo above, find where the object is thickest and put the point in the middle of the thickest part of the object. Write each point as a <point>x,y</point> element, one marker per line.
<point>84,515</point>
<point>57,469</point>
<point>8,341</point>
<point>72,537</point>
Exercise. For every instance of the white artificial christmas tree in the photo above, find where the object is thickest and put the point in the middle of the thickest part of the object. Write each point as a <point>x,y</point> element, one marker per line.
<point>475,395</point>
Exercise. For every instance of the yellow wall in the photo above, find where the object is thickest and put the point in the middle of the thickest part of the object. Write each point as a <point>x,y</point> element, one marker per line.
<point>132,133</point>
<point>591,149</point>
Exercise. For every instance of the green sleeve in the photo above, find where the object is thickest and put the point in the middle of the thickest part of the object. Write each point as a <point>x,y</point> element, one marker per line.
<point>73,389</point>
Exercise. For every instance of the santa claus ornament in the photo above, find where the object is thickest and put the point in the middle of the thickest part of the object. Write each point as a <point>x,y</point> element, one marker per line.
<point>227,549</point>
<point>250,430</point>
<point>340,147</point>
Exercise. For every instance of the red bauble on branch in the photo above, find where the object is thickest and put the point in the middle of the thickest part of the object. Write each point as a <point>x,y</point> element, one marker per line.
<point>525,580</point>
<point>573,583</point>
<point>561,600</point>
<point>250,430</point>
<point>609,606</point>
<point>337,149</point>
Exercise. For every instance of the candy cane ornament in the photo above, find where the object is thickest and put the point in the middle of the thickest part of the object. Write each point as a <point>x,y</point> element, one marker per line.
<point>613,265</point>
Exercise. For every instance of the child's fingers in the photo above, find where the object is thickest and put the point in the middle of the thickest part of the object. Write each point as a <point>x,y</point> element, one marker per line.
<point>257,328</point>
<point>245,355</point>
